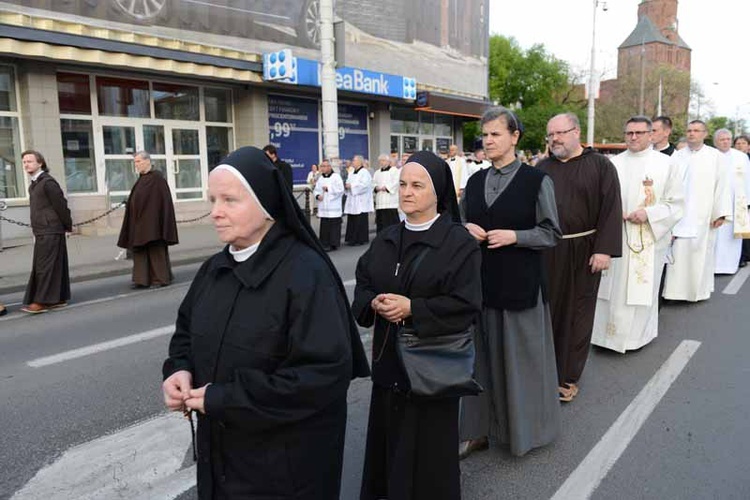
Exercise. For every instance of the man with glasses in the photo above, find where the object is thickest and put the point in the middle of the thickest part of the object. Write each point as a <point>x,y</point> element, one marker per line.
<point>690,276</point>
<point>627,305</point>
<point>588,203</point>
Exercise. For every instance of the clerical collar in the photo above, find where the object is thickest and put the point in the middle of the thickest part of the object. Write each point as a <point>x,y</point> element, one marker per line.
<point>356,170</point>
<point>420,227</point>
<point>385,169</point>
<point>36,175</point>
<point>507,169</point>
<point>243,254</point>
<point>327,175</point>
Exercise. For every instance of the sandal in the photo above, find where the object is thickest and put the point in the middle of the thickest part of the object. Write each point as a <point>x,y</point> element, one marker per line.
<point>567,392</point>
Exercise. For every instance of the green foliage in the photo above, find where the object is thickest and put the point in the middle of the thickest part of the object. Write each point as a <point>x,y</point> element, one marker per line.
<point>533,83</point>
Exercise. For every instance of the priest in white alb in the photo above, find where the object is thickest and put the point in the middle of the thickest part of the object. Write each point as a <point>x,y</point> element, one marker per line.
<point>651,186</point>
<point>690,274</point>
<point>729,236</point>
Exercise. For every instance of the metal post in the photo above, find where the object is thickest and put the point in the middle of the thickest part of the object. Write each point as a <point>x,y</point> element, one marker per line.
<point>592,69</point>
<point>328,82</point>
<point>3,206</point>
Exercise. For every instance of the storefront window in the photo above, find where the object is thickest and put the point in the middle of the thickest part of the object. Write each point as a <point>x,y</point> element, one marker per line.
<point>11,175</point>
<point>120,97</point>
<point>119,140</point>
<point>219,141</point>
<point>73,93</point>
<point>153,139</point>
<point>426,125</point>
<point>404,121</point>
<point>120,175</point>
<point>7,89</point>
<point>176,102</point>
<point>218,105</point>
<point>444,125</point>
<point>78,155</point>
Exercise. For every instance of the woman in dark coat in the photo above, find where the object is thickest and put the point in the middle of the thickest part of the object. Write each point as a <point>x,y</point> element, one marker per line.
<point>265,346</point>
<point>411,441</point>
<point>149,226</point>
<point>49,283</point>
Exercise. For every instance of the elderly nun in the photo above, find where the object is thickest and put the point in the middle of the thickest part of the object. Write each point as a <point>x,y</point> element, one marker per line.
<point>265,346</point>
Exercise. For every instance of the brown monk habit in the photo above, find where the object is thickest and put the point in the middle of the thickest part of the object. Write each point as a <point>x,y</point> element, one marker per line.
<point>587,191</point>
<point>148,228</point>
<point>49,282</point>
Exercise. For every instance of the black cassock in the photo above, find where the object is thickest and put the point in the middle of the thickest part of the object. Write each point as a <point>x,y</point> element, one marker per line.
<point>412,443</point>
<point>587,192</point>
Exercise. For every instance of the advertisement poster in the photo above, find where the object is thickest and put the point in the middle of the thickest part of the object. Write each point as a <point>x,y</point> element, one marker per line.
<point>293,129</point>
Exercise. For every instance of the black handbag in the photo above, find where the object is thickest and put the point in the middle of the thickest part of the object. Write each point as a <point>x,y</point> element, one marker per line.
<point>440,366</point>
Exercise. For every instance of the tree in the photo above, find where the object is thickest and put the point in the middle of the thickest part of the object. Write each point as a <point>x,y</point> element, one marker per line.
<point>533,83</point>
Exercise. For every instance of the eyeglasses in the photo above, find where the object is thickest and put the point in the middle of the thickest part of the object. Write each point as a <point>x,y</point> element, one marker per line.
<point>552,135</point>
<point>637,133</point>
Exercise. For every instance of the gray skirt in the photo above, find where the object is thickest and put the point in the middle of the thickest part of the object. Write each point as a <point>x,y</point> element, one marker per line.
<point>515,365</point>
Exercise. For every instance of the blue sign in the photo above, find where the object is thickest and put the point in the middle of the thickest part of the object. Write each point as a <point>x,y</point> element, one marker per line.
<point>353,138</point>
<point>358,80</point>
<point>293,129</point>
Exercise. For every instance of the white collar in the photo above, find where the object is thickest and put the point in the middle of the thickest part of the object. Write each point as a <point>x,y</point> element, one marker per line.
<point>420,227</point>
<point>243,254</point>
<point>37,174</point>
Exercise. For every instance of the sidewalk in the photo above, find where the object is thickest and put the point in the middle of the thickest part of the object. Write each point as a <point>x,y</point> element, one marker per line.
<point>92,257</point>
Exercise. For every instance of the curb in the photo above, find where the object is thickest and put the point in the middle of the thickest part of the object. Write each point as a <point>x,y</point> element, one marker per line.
<point>79,274</point>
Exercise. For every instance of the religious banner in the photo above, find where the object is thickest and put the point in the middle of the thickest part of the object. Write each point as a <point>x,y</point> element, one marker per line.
<point>741,217</point>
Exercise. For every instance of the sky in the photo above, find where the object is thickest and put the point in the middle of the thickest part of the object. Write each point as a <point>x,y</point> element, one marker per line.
<point>716,30</point>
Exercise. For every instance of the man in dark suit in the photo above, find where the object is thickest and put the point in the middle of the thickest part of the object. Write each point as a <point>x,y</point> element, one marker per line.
<point>286,169</point>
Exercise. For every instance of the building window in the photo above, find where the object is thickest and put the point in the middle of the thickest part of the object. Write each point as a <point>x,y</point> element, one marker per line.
<point>120,97</point>
<point>176,102</point>
<point>78,155</point>
<point>74,94</point>
<point>218,142</point>
<point>11,174</point>
<point>218,105</point>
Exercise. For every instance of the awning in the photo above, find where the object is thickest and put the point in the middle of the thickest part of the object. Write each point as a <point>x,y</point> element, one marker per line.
<point>435,102</point>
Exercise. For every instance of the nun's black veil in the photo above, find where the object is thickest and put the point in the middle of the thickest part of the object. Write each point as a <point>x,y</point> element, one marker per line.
<point>442,180</point>
<point>274,195</point>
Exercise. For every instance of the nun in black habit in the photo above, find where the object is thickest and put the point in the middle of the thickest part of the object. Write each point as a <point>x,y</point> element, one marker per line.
<point>411,441</point>
<point>265,346</point>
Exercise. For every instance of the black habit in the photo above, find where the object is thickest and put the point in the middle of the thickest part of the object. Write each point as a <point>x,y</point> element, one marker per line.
<point>49,282</point>
<point>148,228</point>
<point>275,338</point>
<point>411,451</point>
<point>587,191</point>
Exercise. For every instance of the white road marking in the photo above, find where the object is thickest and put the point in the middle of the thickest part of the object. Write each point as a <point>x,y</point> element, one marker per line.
<point>739,279</point>
<point>142,461</point>
<point>584,480</point>
<point>100,347</point>
<point>101,300</point>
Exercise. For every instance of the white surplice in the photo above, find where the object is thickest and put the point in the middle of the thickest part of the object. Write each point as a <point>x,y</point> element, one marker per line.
<point>690,276</point>
<point>331,189</point>
<point>729,248</point>
<point>359,198</point>
<point>626,315</point>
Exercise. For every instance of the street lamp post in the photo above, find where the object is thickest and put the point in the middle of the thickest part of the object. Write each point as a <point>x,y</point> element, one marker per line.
<point>592,80</point>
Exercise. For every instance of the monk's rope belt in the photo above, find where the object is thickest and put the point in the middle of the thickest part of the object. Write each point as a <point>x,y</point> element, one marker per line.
<point>578,235</point>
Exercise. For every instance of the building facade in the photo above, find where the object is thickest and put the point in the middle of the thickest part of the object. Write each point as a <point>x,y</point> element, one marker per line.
<point>89,83</point>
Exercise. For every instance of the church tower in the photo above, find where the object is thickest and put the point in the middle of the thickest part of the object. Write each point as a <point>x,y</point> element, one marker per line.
<point>655,41</point>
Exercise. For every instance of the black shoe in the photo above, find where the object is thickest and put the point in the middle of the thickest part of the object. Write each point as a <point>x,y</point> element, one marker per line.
<point>136,286</point>
<point>3,311</point>
<point>743,263</point>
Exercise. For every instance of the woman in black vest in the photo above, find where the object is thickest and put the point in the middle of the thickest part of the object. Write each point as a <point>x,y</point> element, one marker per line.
<point>510,210</point>
<point>411,441</point>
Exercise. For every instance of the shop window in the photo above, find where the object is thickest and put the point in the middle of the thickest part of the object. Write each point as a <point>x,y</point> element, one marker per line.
<point>118,140</point>
<point>78,155</point>
<point>219,142</point>
<point>404,121</point>
<point>7,89</point>
<point>11,175</point>
<point>218,105</point>
<point>120,97</point>
<point>444,125</point>
<point>120,175</point>
<point>176,102</point>
<point>153,139</point>
<point>426,124</point>
<point>73,94</point>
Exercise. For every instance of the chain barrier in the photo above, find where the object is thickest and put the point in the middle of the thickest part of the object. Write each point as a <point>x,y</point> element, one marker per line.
<point>3,206</point>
